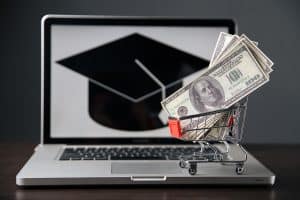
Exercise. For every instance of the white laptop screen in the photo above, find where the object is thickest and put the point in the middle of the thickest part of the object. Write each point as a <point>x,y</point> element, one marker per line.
<point>107,81</point>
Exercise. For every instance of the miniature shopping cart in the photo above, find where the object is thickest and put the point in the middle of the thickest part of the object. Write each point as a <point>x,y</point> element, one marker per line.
<point>218,133</point>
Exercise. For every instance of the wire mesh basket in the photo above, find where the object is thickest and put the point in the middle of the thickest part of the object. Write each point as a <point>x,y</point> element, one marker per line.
<point>216,132</point>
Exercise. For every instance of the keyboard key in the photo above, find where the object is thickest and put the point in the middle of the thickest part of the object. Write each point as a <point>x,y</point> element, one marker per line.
<point>80,149</point>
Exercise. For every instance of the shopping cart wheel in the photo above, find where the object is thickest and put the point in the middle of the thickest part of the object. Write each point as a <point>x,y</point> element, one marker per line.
<point>182,164</point>
<point>193,169</point>
<point>239,169</point>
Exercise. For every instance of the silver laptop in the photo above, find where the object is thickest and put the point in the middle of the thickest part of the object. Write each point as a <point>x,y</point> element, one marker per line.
<point>101,121</point>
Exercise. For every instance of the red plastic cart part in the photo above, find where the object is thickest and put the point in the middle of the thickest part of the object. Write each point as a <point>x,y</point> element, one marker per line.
<point>230,121</point>
<point>174,126</point>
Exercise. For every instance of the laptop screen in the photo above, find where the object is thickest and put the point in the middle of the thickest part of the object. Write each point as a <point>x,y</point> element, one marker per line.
<point>107,81</point>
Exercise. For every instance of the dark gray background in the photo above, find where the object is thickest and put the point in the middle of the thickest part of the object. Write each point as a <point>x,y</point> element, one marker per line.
<point>273,110</point>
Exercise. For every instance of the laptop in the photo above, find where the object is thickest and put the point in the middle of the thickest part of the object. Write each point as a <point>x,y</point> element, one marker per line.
<point>102,81</point>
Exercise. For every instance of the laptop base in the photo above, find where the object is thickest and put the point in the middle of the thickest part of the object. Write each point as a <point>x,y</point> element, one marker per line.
<point>45,169</point>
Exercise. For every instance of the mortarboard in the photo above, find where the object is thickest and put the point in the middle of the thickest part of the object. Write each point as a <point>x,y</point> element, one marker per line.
<point>129,77</point>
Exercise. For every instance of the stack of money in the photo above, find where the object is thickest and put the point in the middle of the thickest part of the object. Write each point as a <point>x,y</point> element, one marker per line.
<point>237,68</point>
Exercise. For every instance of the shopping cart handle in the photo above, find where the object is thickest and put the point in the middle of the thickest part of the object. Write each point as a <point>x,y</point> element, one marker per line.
<point>175,129</point>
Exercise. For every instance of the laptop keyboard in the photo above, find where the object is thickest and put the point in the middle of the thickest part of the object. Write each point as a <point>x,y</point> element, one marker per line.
<point>124,153</point>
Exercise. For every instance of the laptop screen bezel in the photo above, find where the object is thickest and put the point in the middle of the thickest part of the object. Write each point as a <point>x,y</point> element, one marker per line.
<point>49,20</point>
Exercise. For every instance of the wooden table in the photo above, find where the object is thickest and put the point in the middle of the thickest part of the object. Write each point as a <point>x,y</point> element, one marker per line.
<point>283,160</point>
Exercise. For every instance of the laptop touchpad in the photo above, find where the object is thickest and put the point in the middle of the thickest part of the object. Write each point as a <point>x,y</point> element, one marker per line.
<point>145,168</point>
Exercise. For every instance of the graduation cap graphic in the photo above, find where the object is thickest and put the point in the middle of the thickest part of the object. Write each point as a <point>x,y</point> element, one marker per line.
<point>129,77</point>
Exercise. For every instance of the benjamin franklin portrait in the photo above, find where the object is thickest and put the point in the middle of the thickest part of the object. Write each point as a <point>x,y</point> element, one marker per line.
<point>206,94</point>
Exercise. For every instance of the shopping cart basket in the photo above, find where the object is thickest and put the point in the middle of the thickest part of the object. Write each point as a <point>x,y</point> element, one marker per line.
<point>217,133</point>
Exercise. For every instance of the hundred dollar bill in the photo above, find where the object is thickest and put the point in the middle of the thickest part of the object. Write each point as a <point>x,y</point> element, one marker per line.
<point>223,41</point>
<point>261,58</point>
<point>220,86</point>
